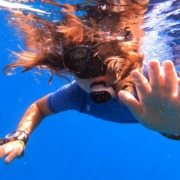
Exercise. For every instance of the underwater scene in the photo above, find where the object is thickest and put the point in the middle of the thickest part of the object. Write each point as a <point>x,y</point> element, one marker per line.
<point>78,55</point>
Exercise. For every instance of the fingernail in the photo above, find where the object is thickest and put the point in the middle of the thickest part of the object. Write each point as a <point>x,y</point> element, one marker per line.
<point>7,162</point>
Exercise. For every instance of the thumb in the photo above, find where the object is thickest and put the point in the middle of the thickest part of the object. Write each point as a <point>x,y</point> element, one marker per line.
<point>131,102</point>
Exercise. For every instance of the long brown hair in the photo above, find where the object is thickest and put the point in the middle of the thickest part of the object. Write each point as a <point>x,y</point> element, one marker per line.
<point>46,40</point>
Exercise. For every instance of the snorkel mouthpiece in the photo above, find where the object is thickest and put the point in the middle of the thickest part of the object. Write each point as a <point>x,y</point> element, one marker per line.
<point>100,93</point>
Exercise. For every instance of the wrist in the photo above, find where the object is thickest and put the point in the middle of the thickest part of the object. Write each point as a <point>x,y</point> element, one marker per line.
<point>20,135</point>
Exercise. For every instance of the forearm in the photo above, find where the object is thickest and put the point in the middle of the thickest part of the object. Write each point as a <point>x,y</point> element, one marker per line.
<point>31,119</point>
<point>12,146</point>
<point>14,143</point>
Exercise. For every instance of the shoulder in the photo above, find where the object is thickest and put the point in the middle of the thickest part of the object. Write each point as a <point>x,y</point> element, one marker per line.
<point>70,89</point>
<point>68,97</point>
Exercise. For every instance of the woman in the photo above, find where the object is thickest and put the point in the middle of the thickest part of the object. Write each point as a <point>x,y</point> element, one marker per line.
<point>105,67</point>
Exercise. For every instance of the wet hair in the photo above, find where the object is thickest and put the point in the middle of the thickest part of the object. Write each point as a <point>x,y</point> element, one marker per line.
<point>45,40</point>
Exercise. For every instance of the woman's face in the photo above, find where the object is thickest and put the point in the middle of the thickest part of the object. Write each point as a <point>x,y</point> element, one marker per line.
<point>85,84</point>
<point>94,66</point>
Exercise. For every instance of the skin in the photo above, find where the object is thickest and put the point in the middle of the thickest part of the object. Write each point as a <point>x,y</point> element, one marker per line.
<point>86,83</point>
<point>159,99</point>
<point>157,109</point>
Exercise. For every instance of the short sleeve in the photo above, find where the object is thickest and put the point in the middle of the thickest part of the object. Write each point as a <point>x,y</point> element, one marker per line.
<point>68,97</point>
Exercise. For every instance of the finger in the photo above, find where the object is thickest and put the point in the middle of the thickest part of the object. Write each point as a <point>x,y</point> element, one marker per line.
<point>2,151</point>
<point>141,83</point>
<point>155,76</point>
<point>179,88</point>
<point>131,102</point>
<point>6,149</point>
<point>170,78</point>
<point>13,154</point>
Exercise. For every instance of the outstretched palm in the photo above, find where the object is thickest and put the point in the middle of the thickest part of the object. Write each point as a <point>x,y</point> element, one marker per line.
<point>158,107</point>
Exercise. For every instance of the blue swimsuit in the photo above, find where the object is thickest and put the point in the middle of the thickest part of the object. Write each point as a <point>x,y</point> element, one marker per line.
<point>73,97</point>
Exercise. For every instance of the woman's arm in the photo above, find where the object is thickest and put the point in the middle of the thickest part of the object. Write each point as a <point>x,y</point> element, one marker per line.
<point>31,119</point>
<point>34,115</point>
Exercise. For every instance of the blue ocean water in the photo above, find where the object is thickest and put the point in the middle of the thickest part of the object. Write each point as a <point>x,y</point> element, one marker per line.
<point>73,146</point>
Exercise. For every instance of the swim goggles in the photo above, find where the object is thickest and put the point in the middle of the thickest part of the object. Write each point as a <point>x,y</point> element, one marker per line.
<point>84,61</point>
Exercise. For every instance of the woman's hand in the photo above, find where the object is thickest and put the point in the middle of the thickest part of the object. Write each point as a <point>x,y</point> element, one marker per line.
<point>158,107</point>
<point>11,150</point>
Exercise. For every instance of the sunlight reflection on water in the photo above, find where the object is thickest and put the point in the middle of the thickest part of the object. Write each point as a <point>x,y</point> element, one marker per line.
<point>162,37</point>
